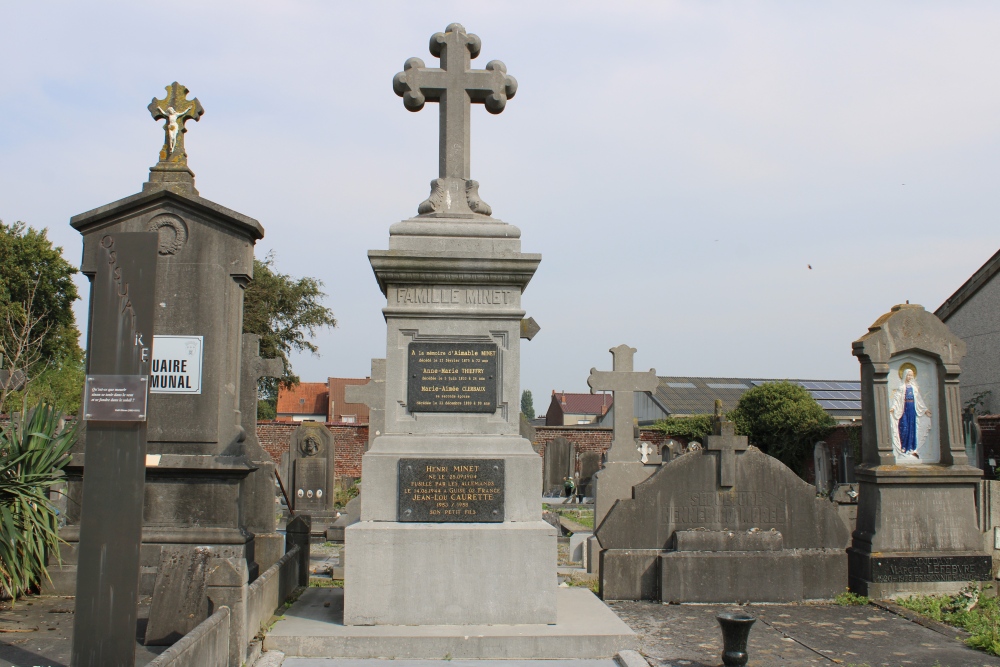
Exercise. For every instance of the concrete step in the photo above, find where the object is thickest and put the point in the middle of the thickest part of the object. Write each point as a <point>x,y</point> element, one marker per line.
<point>313,628</point>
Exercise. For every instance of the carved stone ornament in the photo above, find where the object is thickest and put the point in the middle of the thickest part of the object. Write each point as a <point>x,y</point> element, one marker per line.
<point>309,446</point>
<point>172,230</point>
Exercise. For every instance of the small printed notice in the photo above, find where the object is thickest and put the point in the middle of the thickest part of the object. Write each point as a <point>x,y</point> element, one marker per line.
<point>451,490</point>
<point>115,398</point>
<point>176,367</point>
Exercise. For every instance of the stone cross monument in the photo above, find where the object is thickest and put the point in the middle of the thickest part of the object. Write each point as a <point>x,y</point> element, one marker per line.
<point>623,381</point>
<point>174,110</point>
<point>451,526</point>
<point>725,441</point>
<point>454,87</point>
<point>624,467</point>
<point>917,529</point>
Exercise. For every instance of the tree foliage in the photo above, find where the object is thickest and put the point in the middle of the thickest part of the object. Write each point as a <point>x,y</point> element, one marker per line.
<point>783,420</point>
<point>285,312</point>
<point>527,404</point>
<point>693,427</point>
<point>38,334</point>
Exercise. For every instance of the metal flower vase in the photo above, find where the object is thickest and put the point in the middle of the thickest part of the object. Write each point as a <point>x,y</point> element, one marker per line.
<point>735,632</point>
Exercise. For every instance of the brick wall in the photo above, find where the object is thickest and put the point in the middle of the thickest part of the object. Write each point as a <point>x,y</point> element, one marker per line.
<point>589,438</point>
<point>349,444</point>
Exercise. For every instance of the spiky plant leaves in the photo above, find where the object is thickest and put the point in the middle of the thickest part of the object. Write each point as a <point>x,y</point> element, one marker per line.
<point>32,456</point>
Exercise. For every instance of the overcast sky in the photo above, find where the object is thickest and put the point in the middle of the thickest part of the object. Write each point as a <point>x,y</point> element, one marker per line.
<point>678,165</point>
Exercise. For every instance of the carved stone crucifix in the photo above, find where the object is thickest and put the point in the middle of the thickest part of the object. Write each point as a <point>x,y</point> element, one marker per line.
<point>623,382</point>
<point>645,450</point>
<point>372,394</point>
<point>454,87</point>
<point>727,443</point>
<point>176,109</point>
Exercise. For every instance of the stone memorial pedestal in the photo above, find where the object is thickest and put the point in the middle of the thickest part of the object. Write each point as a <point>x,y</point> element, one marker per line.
<point>917,531</point>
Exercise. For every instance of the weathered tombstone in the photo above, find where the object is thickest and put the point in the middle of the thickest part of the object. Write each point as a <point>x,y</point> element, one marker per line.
<point>590,463</point>
<point>372,394</point>
<point>623,468</point>
<point>196,456</point>
<point>725,523</point>
<point>821,468</point>
<point>258,488</point>
<point>558,462</point>
<point>450,480</point>
<point>312,473</point>
<point>916,528</point>
<point>179,595</point>
<point>670,450</point>
<point>120,331</point>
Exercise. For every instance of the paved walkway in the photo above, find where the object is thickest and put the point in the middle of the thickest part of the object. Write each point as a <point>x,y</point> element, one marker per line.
<point>800,634</point>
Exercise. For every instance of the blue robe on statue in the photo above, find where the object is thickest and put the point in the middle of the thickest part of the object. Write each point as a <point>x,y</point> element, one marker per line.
<point>908,423</point>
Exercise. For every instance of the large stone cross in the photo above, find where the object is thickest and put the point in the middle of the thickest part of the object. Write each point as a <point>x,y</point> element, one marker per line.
<point>175,109</point>
<point>454,87</point>
<point>252,369</point>
<point>372,394</point>
<point>623,381</point>
<point>727,443</point>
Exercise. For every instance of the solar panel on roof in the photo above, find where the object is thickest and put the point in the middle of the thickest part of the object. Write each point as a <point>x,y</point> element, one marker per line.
<point>712,385</point>
<point>681,385</point>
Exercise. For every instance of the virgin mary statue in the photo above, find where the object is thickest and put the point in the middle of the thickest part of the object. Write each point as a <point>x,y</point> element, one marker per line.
<point>911,418</point>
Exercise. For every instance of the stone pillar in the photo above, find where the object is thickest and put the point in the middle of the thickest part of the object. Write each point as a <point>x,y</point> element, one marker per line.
<point>297,533</point>
<point>227,587</point>
<point>917,530</point>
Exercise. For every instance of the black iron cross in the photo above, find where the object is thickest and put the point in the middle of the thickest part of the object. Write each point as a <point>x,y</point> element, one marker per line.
<point>454,87</point>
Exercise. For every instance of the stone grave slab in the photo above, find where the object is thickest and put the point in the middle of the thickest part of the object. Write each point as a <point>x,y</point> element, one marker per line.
<point>179,594</point>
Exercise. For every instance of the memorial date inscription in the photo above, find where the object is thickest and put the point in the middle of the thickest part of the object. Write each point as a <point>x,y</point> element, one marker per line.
<point>452,377</point>
<point>451,490</point>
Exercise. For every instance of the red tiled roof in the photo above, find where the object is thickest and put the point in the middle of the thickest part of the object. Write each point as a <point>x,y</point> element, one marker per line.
<point>584,404</point>
<point>305,398</point>
<point>340,405</point>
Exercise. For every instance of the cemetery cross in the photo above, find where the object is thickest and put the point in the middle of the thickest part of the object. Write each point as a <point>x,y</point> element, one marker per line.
<point>176,109</point>
<point>454,87</point>
<point>372,394</point>
<point>623,381</point>
<point>725,441</point>
<point>254,368</point>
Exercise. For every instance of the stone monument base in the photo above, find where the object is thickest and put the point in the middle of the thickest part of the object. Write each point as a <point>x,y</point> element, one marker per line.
<point>586,628</point>
<point>888,576</point>
<point>788,575</point>
<point>450,573</point>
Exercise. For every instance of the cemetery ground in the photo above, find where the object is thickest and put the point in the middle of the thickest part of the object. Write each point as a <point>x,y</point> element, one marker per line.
<point>38,630</point>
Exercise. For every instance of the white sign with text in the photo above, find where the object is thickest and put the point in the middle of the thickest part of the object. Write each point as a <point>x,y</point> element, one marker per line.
<point>176,365</point>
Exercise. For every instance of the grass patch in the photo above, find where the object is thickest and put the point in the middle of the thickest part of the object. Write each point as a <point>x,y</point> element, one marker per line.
<point>592,584</point>
<point>977,614</point>
<point>849,599</point>
<point>323,582</point>
<point>582,517</point>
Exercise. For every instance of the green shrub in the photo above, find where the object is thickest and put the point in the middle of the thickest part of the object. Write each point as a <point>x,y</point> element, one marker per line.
<point>694,427</point>
<point>979,615</point>
<point>342,496</point>
<point>32,456</point>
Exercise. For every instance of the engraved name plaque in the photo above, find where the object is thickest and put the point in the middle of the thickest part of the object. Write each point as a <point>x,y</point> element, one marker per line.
<point>451,490</point>
<point>452,377</point>
<point>885,569</point>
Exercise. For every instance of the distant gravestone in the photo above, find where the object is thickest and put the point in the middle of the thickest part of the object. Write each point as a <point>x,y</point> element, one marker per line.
<point>822,469</point>
<point>624,468</point>
<point>560,455</point>
<point>670,450</point>
<point>724,523</point>
<point>590,463</point>
<point>312,450</point>
<point>372,394</point>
